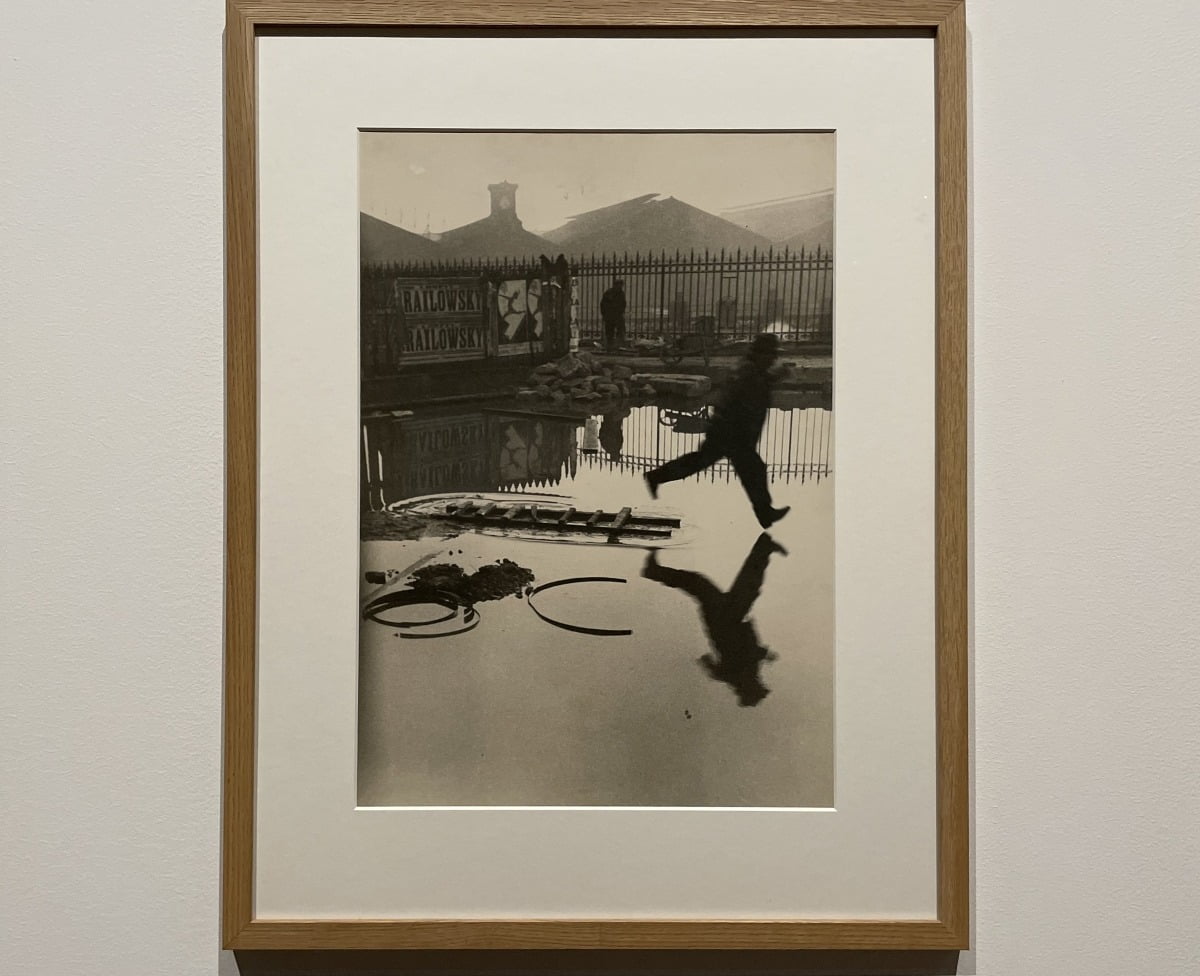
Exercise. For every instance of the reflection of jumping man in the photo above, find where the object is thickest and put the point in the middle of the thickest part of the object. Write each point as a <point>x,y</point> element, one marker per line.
<point>738,653</point>
<point>733,432</point>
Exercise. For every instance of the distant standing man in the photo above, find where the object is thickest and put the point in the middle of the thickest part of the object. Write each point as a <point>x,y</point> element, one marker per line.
<point>612,311</point>
<point>734,430</point>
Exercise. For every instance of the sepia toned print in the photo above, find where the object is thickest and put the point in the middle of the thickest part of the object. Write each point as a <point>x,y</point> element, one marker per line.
<point>596,469</point>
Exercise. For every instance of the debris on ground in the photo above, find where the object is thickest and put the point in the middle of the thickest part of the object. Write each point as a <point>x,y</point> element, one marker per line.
<point>580,377</point>
<point>491,582</point>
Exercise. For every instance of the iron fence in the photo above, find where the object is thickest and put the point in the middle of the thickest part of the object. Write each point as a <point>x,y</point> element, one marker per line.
<point>472,449</point>
<point>795,445</point>
<point>731,295</point>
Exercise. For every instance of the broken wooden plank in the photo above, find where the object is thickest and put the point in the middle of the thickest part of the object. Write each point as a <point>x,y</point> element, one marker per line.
<point>607,530</point>
<point>532,516</point>
<point>520,519</point>
<point>598,529</point>
<point>672,523</point>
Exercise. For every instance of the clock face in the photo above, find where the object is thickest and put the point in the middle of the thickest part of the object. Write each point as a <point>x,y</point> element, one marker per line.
<point>506,203</point>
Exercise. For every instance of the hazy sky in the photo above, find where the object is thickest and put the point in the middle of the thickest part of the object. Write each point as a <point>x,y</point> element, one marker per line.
<point>440,178</point>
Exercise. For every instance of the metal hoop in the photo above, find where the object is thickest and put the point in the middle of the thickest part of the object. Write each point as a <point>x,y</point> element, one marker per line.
<point>576,628</point>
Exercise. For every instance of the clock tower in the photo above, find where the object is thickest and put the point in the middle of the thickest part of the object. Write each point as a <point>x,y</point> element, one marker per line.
<point>504,199</point>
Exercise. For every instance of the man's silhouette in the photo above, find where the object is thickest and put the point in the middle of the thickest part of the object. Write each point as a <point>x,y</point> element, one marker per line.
<point>733,432</point>
<point>612,311</point>
<point>612,432</point>
<point>738,655</point>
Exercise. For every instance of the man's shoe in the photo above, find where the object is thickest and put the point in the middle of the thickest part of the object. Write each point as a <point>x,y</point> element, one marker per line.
<point>773,515</point>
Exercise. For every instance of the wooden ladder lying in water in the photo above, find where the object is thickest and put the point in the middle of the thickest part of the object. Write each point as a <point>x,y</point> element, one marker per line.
<point>515,514</point>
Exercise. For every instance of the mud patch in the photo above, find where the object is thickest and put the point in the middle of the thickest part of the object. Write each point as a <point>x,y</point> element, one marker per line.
<point>492,582</point>
<point>383,526</point>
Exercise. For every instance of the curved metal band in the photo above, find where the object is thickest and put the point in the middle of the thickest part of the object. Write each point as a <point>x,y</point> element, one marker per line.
<point>577,628</point>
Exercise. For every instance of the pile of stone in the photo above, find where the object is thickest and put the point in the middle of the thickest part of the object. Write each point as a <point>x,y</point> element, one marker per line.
<point>582,377</point>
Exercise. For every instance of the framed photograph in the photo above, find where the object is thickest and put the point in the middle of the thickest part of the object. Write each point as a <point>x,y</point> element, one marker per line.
<point>560,611</point>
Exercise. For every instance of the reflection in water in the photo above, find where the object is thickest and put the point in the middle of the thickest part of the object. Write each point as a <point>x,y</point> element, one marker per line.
<point>612,432</point>
<point>523,713</point>
<point>462,450</point>
<point>738,654</point>
<point>477,450</point>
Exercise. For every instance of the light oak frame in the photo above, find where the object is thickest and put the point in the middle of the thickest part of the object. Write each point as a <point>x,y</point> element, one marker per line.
<point>944,20</point>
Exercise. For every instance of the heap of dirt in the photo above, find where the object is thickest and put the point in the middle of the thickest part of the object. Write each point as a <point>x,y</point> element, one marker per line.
<point>492,582</point>
<point>580,377</point>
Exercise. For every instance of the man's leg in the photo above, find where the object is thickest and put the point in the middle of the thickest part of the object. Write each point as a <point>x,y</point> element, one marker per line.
<point>684,465</point>
<point>752,473</point>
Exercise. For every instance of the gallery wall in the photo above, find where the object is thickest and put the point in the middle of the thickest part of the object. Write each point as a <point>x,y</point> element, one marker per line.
<point>1086,416</point>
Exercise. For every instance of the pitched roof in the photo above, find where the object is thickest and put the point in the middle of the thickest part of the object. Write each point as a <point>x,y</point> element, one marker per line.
<point>382,243</point>
<point>820,236</point>
<point>783,219</point>
<point>649,224</point>
<point>495,236</point>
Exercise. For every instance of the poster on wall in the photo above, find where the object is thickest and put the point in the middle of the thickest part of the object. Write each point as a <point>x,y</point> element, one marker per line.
<point>439,319</point>
<point>519,311</point>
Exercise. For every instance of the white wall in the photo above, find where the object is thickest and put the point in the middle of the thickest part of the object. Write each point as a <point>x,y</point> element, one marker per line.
<point>1086,147</point>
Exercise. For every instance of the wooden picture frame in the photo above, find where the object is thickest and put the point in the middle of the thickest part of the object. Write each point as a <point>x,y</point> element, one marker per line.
<point>944,20</point>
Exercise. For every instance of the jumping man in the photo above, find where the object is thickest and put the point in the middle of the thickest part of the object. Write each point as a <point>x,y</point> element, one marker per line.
<point>733,432</point>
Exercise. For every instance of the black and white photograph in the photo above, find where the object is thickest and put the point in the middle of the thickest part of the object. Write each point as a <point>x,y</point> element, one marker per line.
<point>596,468</point>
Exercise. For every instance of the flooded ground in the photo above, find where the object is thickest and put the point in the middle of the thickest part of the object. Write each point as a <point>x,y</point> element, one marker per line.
<point>699,673</point>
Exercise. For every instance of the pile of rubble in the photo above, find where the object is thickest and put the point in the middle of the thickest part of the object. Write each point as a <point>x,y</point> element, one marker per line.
<point>582,377</point>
